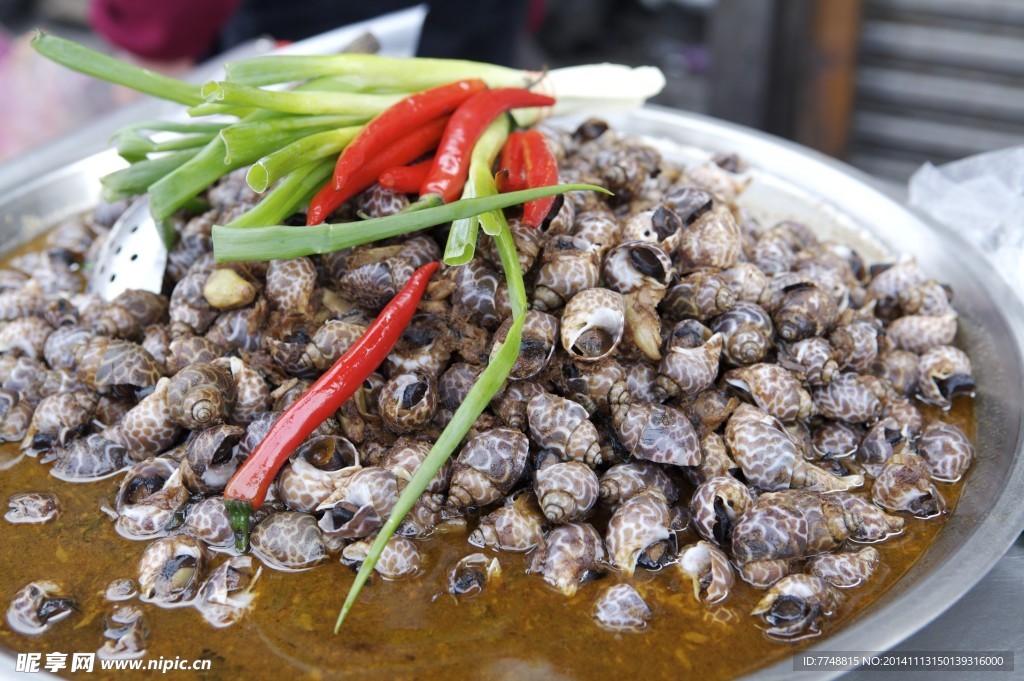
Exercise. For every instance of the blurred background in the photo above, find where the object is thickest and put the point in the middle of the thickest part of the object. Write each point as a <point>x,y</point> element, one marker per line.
<point>883,84</point>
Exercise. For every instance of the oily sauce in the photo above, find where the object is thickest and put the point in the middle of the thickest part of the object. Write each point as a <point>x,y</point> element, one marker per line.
<point>518,628</point>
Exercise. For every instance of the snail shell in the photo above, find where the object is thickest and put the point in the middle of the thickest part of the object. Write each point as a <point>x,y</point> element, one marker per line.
<point>654,432</point>
<point>795,605</point>
<point>621,608</point>
<point>872,524</point>
<point>470,574</point>
<point>947,450</point>
<point>171,570</point>
<point>563,426</point>
<point>715,507</point>
<point>625,480</point>
<point>771,460</point>
<point>405,457</point>
<point>566,491</point>
<point>568,556</point>
<point>846,568</point>
<point>208,521</point>
<point>291,284</point>
<point>569,265</point>
<point>408,402</point>
<point>359,503</point>
<point>539,338</point>
<point>661,226</point>
<point>850,397</point>
<point>708,568</point>
<point>149,427</point>
<point>399,559</point>
<point>288,541</point>
<point>699,295</point>
<point>487,467</point>
<point>210,459</point>
<point>899,367</point>
<point>92,457</point>
<point>593,324</point>
<point>784,527</point>
<point>812,360</point>
<point>226,596</point>
<point>37,606</point>
<point>943,373</point>
<point>711,240</point>
<point>516,526</point>
<point>32,507</point>
<point>905,484</point>
<point>638,532</point>
<point>634,265</point>
<point>747,332</point>
<point>774,390</point>
<point>201,395</point>
<point>919,333</point>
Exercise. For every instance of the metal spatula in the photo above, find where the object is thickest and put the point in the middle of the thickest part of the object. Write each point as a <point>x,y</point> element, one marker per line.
<point>132,257</point>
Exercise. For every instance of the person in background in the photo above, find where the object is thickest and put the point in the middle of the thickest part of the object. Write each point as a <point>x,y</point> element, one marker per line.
<point>482,30</point>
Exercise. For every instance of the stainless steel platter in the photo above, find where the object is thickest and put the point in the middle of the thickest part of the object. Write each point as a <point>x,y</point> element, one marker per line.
<point>791,182</point>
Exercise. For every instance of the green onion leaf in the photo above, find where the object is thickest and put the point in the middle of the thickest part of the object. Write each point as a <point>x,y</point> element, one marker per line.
<point>479,396</point>
<point>136,178</point>
<point>270,135</point>
<point>297,102</point>
<point>365,71</point>
<point>480,182</point>
<point>98,65</point>
<point>293,191</point>
<point>280,241</point>
<point>276,165</point>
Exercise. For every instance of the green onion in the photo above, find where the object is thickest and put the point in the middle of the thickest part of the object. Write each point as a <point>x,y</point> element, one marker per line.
<point>274,166</point>
<point>136,178</point>
<point>287,196</point>
<point>365,71</point>
<point>296,102</point>
<point>479,396</point>
<point>133,147</point>
<point>269,135</point>
<point>462,237</point>
<point>173,126</point>
<point>98,65</point>
<point>212,162</point>
<point>218,109</point>
<point>280,241</point>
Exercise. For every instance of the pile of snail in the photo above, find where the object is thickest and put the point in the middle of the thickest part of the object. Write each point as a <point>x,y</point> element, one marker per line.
<point>696,391</point>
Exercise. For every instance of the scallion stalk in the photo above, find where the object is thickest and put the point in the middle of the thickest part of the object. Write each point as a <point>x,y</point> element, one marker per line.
<point>276,165</point>
<point>298,102</point>
<point>364,71</point>
<point>280,241</point>
<point>287,196</point>
<point>477,399</point>
<point>136,178</point>
<point>241,138</point>
<point>98,65</point>
<point>133,147</point>
<point>461,242</point>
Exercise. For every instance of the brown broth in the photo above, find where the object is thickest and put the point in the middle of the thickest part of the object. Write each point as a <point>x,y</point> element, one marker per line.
<point>517,628</point>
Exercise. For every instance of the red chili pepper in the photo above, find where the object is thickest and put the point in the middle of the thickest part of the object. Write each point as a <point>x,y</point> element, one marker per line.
<point>405,179</point>
<point>408,114</point>
<point>451,163</point>
<point>541,171</point>
<point>402,151</point>
<point>248,486</point>
<point>512,161</point>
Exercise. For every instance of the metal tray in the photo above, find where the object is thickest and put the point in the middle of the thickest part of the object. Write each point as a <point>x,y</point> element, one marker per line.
<point>793,182</point>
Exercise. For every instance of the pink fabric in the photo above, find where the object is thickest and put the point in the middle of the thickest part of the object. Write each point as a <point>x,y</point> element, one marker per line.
<point>162,30</point>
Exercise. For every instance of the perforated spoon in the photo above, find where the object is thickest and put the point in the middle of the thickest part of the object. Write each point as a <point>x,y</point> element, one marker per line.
<point>132,257</point>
